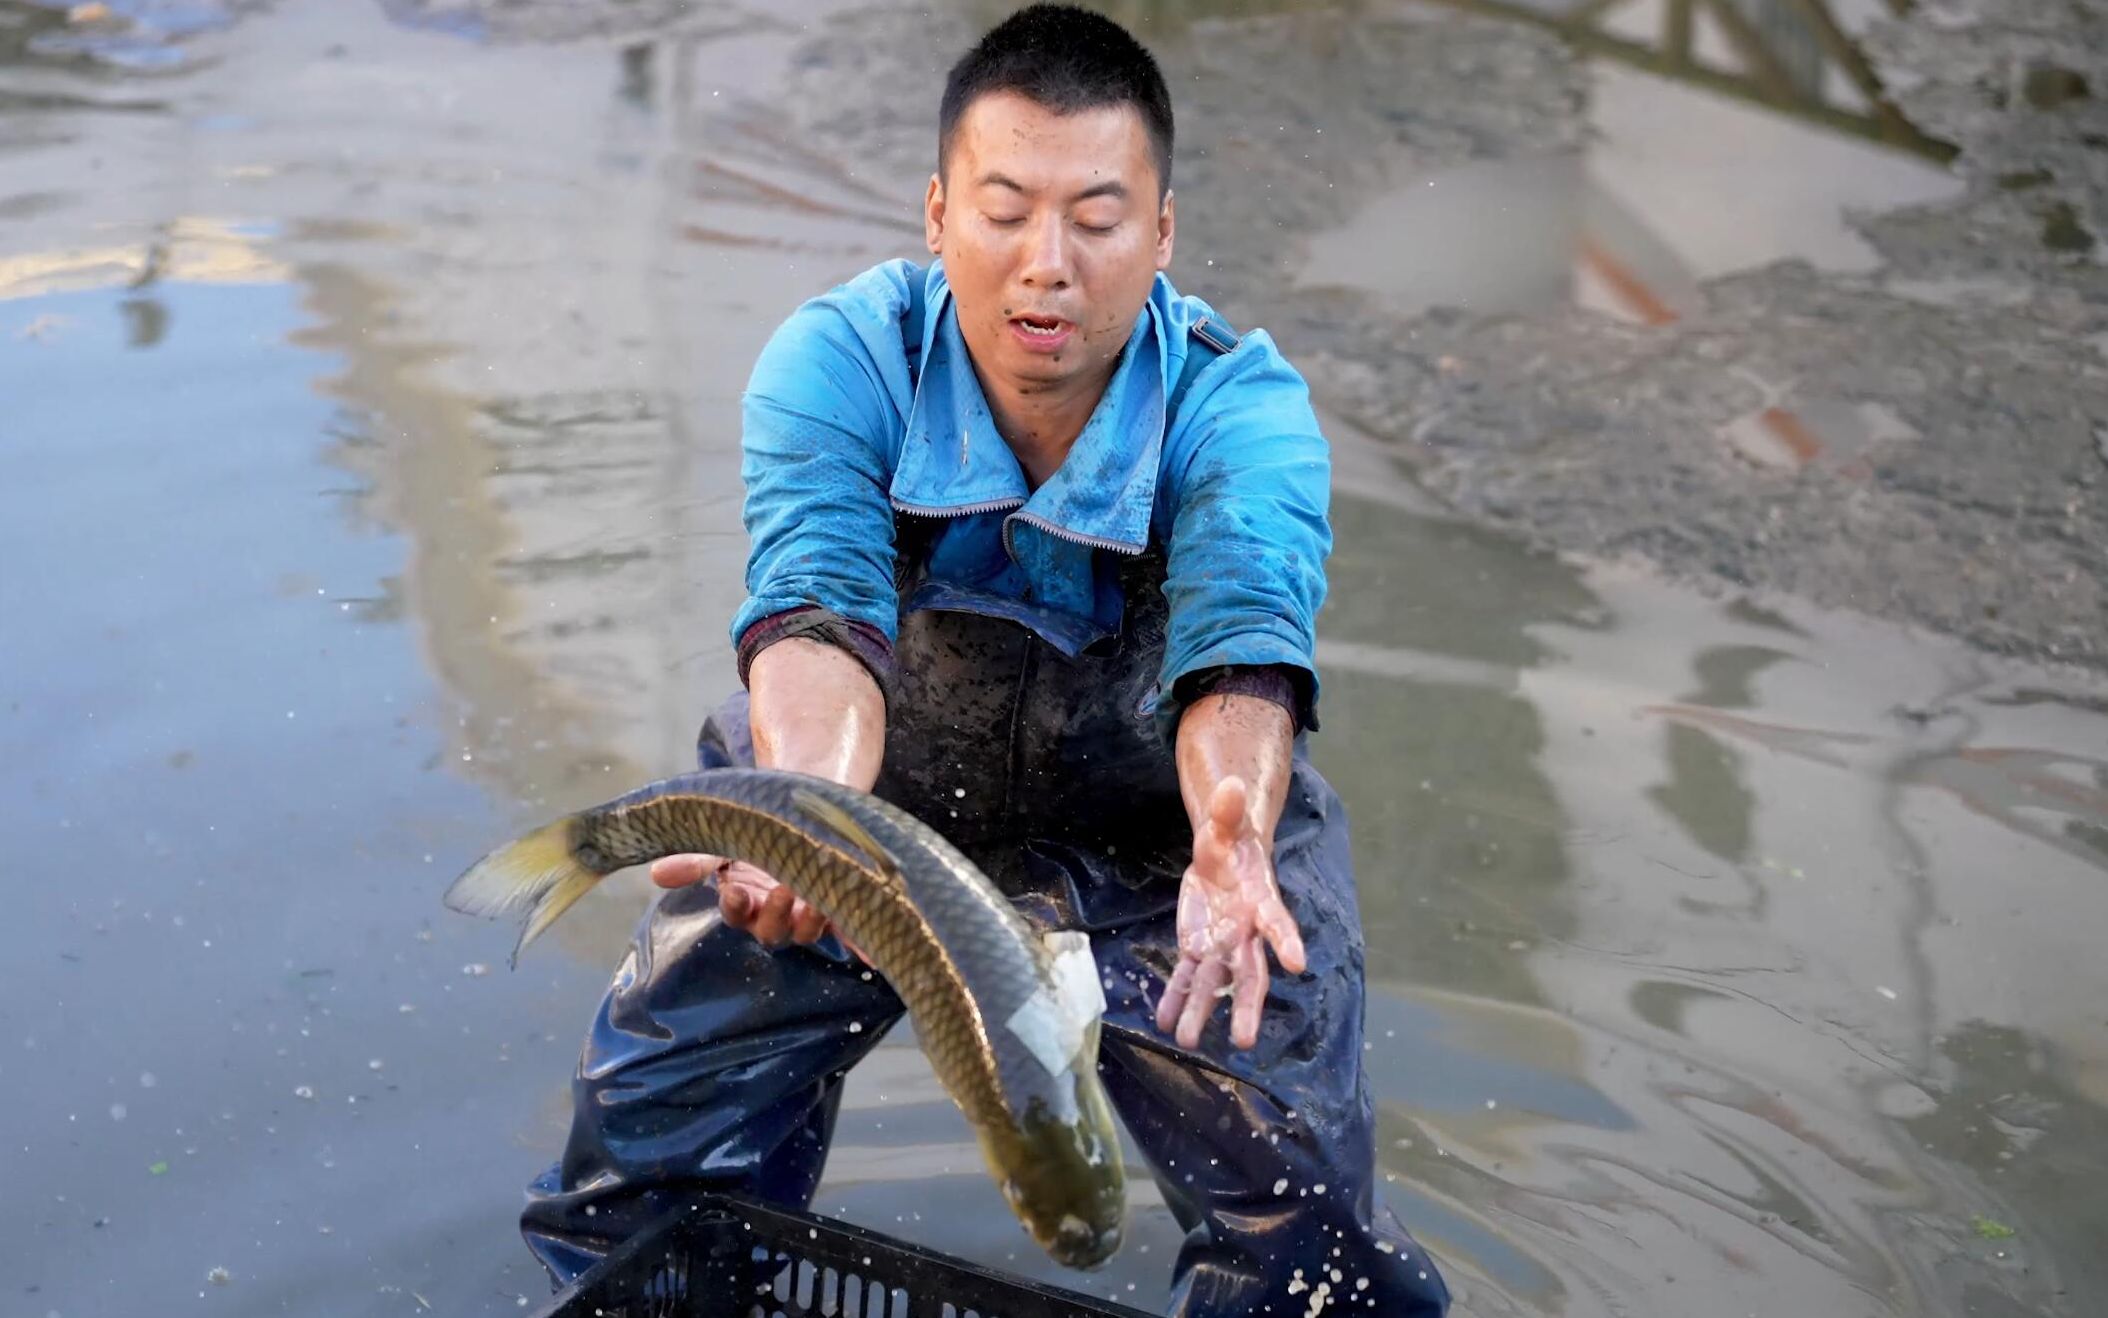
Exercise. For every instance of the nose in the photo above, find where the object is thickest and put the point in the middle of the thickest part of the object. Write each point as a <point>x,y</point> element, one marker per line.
<point>1047,255</point>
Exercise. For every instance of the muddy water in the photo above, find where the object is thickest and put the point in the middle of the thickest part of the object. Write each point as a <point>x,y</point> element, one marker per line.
<point>370,384</point>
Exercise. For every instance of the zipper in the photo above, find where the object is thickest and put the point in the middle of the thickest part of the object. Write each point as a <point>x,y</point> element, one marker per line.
<point>1060,533</point>
<point>1009,505</point>
<point>963,510</point>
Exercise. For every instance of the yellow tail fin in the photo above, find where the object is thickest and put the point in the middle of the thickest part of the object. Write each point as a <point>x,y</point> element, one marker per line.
<point>537,875</point>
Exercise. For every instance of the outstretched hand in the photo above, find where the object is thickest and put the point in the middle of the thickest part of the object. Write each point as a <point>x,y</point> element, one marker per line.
<point>1229,911</point>
<point>750,899</point>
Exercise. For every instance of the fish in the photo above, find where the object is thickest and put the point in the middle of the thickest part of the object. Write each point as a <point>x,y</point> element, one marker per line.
<point>1008,1017</point>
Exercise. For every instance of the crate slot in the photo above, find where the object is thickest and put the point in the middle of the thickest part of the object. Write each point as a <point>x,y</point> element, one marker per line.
<point>725,1256</point>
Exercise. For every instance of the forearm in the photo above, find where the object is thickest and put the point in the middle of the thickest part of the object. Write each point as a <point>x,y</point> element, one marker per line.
<point>1247,737</point>
<point>815,709</point>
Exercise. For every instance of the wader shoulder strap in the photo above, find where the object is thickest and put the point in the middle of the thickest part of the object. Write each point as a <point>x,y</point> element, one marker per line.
<point>1208,338</point>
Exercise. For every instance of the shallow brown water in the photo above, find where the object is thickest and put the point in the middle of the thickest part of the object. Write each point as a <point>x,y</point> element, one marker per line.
<point>370,387</point>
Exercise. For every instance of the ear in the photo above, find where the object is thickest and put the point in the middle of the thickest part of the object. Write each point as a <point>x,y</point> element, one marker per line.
<point>1166,230</point>
<point>933,216</point>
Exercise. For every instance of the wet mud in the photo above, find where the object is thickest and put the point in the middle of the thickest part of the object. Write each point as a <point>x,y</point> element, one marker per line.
<point>1852,356</point>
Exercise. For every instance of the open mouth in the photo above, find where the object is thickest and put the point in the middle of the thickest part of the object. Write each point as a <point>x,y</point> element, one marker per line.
<point>1042,334</point>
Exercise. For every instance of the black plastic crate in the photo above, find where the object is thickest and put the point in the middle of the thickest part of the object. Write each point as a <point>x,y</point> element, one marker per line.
<point>722,1256</point>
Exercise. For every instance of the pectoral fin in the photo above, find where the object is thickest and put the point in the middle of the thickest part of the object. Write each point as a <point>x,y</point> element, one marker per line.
<point>848,829</point>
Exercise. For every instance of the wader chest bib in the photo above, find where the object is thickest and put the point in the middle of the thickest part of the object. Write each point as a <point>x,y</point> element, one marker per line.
<point>716,1064</point>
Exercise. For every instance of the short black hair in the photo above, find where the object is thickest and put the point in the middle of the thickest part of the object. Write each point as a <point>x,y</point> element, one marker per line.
<point>1066,59</point>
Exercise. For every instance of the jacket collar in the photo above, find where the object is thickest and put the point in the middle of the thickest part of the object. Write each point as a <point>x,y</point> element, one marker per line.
<point>953,462</point>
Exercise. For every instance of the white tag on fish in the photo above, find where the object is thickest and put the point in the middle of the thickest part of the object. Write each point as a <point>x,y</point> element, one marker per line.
<point>1053,1024</point>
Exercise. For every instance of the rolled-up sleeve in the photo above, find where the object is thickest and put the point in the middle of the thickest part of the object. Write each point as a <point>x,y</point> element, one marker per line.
<point>1249,507</point>
<point>817,468</point>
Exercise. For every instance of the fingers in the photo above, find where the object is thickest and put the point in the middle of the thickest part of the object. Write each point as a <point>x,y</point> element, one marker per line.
<point>1190,998</point>
<point>1248,973</point>
<point>753,901</point>
<point>680,871</point>
<point>1174,999</point>
<point>1200,1004</point>
<point>772,921</point>
<point>1280,930</point>
<point>807,925</point>
<point>749,899</point>
<point>741,890</point>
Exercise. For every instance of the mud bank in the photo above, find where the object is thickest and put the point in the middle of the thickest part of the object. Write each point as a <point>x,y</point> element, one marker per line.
<point>1891,408</point>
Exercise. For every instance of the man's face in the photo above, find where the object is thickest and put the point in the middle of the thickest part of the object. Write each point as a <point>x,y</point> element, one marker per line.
<point>1052,232</point>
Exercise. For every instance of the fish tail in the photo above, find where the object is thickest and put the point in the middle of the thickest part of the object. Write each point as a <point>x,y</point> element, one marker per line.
<point>540,874</point>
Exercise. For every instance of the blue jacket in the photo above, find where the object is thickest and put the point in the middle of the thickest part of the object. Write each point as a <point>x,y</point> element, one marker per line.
<point>864,404</point>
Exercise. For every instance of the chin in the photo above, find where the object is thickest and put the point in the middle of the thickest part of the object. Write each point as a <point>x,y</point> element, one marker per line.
<point>1033,366</point>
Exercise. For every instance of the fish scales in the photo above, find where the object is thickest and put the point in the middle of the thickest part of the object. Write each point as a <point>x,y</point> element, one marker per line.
<point>874,911</point>
<point>1005,1027</point>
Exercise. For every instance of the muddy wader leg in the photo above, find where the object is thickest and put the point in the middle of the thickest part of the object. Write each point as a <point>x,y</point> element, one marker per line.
<point>713,1064</point>
<point>1267,1156</point>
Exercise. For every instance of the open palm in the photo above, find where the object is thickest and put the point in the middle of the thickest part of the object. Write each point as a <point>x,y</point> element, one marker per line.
<point>1229,910</point>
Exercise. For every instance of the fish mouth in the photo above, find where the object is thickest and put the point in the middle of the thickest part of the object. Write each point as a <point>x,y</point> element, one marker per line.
<point>1065,1182</point>
<point>1079,1245</point>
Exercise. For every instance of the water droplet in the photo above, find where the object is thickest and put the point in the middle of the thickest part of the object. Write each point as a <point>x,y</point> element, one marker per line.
<point>146,1080</point>
<point>117,1112</point>
<point>303,1091</point>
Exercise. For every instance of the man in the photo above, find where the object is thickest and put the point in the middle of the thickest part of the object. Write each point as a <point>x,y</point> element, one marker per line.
<point>1037,548</point>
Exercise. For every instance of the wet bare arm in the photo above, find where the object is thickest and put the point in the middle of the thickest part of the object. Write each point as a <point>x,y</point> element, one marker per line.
<point>813,709</point>
<point>1235,755</point>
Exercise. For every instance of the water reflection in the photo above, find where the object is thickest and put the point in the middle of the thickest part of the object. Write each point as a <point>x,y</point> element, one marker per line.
<point>2019,1114</point>
<point>1792,57</point>
<point>1769,102</point>
<point>1709,983</point>
<point>2012,786</point>
<point>1705,792</point>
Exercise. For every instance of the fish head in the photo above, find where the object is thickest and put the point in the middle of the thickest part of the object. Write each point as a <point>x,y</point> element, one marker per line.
<point>1061,1170</point>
